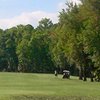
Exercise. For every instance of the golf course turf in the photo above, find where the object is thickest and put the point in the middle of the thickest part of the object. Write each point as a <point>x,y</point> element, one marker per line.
<point>28,86</point>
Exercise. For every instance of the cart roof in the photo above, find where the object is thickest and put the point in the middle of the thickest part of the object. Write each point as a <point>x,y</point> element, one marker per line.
<point>66,71</point>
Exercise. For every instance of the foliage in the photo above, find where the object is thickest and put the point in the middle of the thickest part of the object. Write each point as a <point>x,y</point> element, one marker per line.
<point>72,43</point>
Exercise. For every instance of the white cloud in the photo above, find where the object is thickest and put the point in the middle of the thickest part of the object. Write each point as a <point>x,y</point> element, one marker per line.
<point>76,1</point>
<point>62,5</point>
<point>28,18</point>
<point>32,17</point>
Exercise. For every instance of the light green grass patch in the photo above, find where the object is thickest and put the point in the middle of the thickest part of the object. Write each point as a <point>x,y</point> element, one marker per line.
<point>22,86</point>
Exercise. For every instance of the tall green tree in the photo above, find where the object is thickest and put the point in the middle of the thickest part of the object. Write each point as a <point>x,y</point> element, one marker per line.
<point>91,30</point>
<point>39,46</point>
<point>10,50</point>
<point>24,34</point>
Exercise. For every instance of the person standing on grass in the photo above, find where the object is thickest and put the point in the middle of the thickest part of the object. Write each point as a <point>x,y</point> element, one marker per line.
<point>56,73</point>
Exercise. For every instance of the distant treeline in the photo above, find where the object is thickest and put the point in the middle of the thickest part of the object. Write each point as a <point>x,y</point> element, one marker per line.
<point>73,43</point>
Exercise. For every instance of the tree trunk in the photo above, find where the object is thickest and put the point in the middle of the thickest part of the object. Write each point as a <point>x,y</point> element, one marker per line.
<point>92,79</point>
<point>80,73</point>
<point>84,74</point>
<point>91,76</point>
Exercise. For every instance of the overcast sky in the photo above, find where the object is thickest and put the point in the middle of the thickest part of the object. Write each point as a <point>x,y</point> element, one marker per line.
<point>14,12</point>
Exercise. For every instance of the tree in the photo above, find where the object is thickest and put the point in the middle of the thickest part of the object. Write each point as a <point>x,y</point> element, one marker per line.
<point>10,49</point>
<point>39,47</point>
<point>69,36</point>
<point>3,59</point>
<point>91,30</point>
<point>23,50</point>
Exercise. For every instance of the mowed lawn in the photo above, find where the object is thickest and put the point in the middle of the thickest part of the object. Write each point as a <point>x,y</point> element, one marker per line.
<point>25,86</point>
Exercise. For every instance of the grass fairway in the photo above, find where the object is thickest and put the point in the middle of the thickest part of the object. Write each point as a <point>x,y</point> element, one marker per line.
<point>18,86</point>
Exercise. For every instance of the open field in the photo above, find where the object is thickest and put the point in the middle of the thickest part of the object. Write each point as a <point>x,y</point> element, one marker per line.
<point>18,86</point>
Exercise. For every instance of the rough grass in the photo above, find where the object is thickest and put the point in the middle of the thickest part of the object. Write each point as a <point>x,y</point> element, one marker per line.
<point>21,86</point>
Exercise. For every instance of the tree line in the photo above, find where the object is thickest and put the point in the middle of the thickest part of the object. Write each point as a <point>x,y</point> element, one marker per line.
<point>73,43</point>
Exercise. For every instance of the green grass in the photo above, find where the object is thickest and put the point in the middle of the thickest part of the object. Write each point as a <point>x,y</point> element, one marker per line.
<point>22,86</point>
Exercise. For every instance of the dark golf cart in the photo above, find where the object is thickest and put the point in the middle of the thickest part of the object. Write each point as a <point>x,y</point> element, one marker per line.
<point>66,74</point>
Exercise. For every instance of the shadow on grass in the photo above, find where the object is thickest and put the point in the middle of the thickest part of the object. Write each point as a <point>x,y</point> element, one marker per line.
<point>25,97</point>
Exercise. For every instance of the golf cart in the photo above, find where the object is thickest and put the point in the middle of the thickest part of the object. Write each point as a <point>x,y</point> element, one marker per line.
<point>66,74</point>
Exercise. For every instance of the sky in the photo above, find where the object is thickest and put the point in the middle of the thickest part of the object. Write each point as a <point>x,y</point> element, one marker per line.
<point>15,12</point>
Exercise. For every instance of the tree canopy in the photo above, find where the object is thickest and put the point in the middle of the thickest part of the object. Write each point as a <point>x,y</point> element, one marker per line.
<point>73,43</point>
